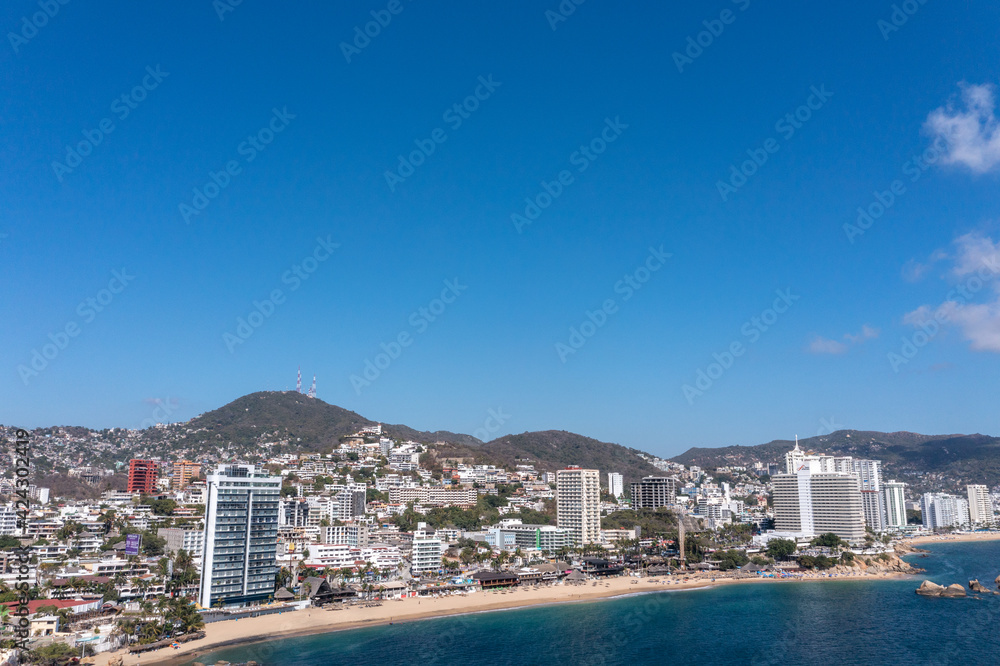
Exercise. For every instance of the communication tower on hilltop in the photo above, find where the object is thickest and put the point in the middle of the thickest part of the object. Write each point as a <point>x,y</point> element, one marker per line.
<point>312,389</point>
<point>298,383</point>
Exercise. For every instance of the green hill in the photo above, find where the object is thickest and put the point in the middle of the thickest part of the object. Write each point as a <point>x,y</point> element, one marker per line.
<point>550,450</point>
<point>306,423</point>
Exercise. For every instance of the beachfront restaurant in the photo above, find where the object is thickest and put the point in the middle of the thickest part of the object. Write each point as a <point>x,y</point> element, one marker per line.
<point>596,566</point>
<point>493,579</point>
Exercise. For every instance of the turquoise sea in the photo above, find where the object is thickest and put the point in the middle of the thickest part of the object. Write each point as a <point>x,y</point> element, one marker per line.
<point>837,622</point>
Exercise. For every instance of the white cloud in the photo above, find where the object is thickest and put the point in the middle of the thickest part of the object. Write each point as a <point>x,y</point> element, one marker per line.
<point>976,266</point>
<point>972,134</point>
<point>867,332</point>
<point>975,251</point>
<point>914,271</point>
<point>821,345</point>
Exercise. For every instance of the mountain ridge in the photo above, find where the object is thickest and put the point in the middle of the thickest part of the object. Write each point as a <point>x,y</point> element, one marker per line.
<point>288,421</point>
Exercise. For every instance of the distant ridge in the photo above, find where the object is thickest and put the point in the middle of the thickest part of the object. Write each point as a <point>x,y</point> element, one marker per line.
<point>926,462</point>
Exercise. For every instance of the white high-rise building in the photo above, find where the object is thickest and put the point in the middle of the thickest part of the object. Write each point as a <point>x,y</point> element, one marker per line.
<point>578,503</point>
<point>822,494</point>
<point>616,484</point>
<point>867,472</point>
<point>426,553</point>
<point>980,506</point>
<point>895,504</point>
<point>940,510</point>
<point>349,503</point>
<point>241,535</point>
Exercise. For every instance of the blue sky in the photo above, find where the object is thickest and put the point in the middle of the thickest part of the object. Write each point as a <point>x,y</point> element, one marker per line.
<point>621,143</point>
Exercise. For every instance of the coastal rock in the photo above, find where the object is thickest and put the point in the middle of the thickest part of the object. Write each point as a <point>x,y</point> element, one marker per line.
<point>976,586</point>
<point>954,590</point>
<point>997,581</point>
<point>929,589</point>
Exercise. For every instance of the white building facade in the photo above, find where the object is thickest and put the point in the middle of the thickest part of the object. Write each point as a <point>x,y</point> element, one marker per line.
<point>578,503</point>
<point>241,532</point>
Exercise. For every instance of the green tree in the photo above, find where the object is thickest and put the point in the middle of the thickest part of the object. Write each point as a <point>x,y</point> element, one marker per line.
<point>53,654</point>
<point>731,559</point>
<point>780,549</point>
<point>829,540</point>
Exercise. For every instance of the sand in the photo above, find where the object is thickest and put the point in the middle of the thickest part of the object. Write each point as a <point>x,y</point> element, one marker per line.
<point>936,538</point>
<point>317,621</point>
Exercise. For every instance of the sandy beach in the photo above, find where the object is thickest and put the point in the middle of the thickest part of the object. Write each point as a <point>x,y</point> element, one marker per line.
<point>316,621</point>
<point>939,538</point>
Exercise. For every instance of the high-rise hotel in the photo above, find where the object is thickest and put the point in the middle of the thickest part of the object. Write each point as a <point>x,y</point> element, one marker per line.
<point>578,503</point>
<point>816,495</point>
<point>241,534</point>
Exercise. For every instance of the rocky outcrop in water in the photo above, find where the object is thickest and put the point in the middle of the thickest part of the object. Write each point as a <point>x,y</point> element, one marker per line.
<point>929,589</point>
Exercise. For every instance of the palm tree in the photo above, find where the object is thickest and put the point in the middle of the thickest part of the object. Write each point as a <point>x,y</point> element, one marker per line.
<point>126,627</point>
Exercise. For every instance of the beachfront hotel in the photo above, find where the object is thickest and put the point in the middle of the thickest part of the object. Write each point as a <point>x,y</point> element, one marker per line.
<point>578,503</point>
<point>980,505</point>
<point>895,504</point>
<point>941,510</point>
<point>426,553</point>
<point>818,495</point>
<point>241,533</point>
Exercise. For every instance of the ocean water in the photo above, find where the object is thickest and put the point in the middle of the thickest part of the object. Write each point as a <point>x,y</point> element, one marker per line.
<point>836,622</point>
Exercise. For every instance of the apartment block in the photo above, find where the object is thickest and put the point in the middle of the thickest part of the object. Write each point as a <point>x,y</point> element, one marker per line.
<point>241,531</point>
<point>578,503</point>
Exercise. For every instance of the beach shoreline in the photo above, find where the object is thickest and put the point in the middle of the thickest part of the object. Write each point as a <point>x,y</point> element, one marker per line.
<point>954,538</point>
<point>313,621</point>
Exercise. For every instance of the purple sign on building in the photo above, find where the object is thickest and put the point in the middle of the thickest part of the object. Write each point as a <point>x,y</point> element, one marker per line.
<point>132,543</point>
